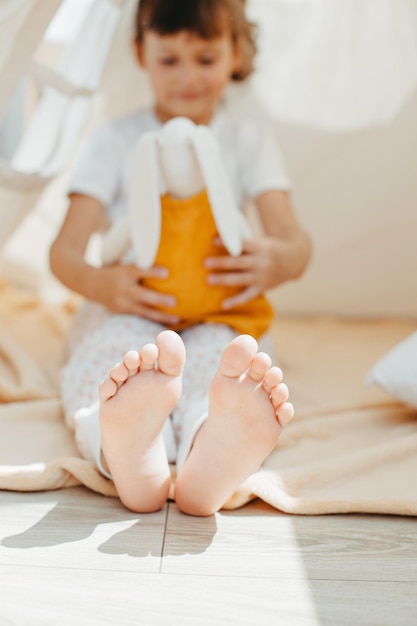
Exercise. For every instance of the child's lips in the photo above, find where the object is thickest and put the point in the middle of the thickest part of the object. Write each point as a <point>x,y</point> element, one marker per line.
<point>190,95</point>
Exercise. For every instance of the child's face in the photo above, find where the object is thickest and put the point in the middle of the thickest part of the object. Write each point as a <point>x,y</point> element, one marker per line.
<point>188,73</point>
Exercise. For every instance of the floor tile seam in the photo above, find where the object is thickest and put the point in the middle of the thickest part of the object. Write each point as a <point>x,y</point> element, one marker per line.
<point>195,575</point>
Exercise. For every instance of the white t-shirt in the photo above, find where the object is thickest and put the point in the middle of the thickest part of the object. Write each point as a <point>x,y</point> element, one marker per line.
<point>251,157</point>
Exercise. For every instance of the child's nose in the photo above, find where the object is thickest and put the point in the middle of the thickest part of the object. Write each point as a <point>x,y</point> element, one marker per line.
<point>190,74</point>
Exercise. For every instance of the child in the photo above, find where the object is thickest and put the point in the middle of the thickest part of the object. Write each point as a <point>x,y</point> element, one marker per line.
<point>224,429</point>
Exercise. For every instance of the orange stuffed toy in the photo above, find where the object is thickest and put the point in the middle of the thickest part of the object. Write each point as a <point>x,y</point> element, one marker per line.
<point>179,201</point>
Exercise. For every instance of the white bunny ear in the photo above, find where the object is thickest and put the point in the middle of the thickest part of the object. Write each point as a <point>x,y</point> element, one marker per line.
<point>226,214</point>
<point>116,241</point>
<point>144,200</point>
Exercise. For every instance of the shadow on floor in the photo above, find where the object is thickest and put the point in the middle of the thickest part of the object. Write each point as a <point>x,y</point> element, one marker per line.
<point>76,513</point>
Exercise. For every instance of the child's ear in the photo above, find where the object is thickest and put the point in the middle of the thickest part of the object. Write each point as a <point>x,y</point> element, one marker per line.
<point>138,50</point>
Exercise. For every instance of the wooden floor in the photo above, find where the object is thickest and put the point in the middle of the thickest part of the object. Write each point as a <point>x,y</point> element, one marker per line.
<point>72,557</point>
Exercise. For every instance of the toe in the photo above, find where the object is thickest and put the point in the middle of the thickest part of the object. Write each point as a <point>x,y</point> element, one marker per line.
<point>259,366</point>
<point>131,361</point>
<point>148,356</point>
<point>171,353</point>
<point>238,356</point>
<point>279,394</point>
<point>273,377</point>
<point>285,413</point>
<point>107,389</point>
<point>119,373</point>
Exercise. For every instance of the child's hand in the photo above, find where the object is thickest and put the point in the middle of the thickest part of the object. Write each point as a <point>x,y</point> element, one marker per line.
<point>119,289</point>
<point>263,264</point>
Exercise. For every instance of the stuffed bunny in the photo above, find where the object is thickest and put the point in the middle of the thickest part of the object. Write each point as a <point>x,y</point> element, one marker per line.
<point>179,200</point>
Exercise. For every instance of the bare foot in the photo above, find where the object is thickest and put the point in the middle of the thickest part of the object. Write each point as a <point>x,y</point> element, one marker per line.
<point>135,401</point>
<point>248,410</point>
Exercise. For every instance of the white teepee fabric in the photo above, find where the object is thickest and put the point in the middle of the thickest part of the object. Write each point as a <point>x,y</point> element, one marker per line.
<point>55,128</point>
<point>22,25</point>
<point>335,65</point>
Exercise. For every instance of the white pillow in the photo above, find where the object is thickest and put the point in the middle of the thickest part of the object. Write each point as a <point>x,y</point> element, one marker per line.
<point>396,372</point>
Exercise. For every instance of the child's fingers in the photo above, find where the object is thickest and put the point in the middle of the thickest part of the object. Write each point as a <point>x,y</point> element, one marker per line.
<point>232,279</point>
<point>241,298</point>
<point>153,298</point>
<point>157,271</point>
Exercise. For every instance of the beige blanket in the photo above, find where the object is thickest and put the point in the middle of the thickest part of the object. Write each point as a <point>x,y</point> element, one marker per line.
<point>349,448</point>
